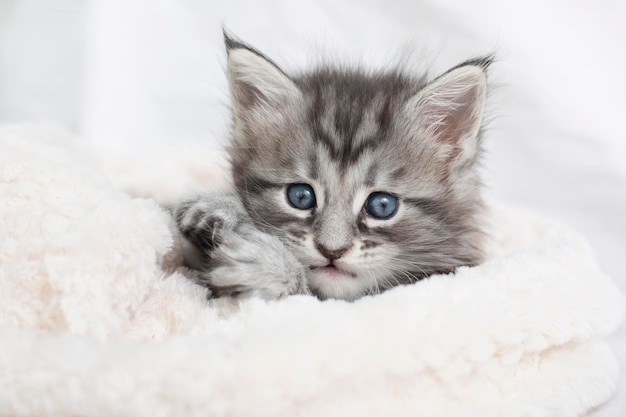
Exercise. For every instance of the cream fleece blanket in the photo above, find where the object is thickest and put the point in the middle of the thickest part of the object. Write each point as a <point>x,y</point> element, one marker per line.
<point>98,319</point>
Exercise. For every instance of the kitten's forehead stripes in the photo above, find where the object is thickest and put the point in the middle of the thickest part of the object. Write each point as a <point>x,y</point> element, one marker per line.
<point>350,112</point>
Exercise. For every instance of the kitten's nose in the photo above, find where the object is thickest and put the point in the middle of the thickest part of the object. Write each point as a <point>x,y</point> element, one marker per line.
<point>331,254</point>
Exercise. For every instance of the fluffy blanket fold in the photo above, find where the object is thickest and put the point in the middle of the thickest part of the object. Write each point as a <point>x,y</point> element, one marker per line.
<point>97,317</point>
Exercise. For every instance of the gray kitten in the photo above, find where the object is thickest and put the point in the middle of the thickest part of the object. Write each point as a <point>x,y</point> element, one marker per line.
<point>347,182</point>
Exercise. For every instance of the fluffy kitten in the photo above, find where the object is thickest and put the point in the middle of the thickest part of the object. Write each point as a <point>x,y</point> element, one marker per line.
<point>347,182</point>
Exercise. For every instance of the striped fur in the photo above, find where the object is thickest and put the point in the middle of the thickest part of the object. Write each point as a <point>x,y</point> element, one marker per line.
<point>349,133</point>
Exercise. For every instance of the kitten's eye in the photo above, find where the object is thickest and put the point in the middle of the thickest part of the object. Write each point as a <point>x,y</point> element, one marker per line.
<point>381,205</point>
<point>301,196</point>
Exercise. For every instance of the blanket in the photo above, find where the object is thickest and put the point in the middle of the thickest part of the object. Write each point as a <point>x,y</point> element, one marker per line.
<point>99,318</point>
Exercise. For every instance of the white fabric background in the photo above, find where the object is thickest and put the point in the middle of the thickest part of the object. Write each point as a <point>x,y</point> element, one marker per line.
<point>128,75</point>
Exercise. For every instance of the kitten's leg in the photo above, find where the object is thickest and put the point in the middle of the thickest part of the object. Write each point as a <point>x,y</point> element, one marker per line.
<point>234,257</point>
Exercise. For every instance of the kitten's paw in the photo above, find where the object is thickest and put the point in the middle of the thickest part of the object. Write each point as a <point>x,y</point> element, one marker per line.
<point>203,220</point>
<point>253,263</point>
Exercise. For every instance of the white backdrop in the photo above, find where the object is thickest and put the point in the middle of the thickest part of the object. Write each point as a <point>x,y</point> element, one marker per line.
<point>127,75</point>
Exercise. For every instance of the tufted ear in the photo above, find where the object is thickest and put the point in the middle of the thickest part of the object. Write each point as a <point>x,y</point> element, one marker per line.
<point>450,109</point>
<point>256,82</point>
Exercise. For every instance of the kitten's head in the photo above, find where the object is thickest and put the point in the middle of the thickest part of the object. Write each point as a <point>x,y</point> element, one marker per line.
<point>370,179</point>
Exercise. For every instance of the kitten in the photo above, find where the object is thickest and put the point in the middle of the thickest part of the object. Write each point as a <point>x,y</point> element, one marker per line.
<point>347,182</point>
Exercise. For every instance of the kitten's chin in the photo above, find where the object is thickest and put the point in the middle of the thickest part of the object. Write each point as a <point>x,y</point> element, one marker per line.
<point>331,282</point>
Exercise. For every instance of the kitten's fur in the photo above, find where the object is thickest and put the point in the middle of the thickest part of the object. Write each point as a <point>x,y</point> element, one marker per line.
<point>347,133</point>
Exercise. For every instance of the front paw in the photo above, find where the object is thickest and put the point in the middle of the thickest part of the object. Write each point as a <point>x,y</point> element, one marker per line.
<point>252,263</point>
<point>202,221</point>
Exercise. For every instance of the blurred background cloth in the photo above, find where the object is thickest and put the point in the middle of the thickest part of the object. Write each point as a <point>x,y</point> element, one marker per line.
<point>132,75</point>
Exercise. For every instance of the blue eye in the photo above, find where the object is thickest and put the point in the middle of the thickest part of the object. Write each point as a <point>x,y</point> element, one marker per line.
<point>381,205</point>
<point>301,196</point>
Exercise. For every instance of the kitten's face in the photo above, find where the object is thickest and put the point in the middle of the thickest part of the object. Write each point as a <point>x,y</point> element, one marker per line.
<point>369,180</point>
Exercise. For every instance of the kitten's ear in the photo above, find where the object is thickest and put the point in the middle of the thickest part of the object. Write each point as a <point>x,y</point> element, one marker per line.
<point>255,80</point>
<point>450,109</point>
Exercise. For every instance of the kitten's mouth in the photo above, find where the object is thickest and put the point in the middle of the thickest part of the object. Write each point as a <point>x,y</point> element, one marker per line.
<point>332,271</point>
